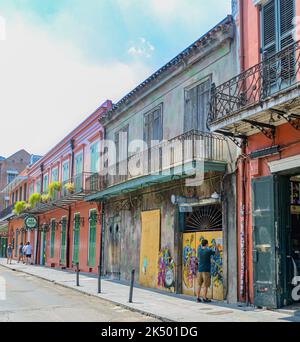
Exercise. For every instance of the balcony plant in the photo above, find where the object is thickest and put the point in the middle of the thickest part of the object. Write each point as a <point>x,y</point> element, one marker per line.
<point>19,208</point>
<point>70,187</point>
<point>45,198</point>
<point>34,199</point>
<point>54,187</point>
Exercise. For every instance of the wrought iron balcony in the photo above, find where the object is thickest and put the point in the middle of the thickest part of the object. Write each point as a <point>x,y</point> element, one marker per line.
<point>6,213</point>
<point>169,157</point>
<point>72,190</point>
<point>275,75</point>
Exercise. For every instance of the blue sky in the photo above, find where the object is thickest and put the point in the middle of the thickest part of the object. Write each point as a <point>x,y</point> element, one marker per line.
<point>59,59</point>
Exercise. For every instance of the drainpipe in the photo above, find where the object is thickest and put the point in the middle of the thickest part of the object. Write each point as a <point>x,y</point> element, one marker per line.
<point>37,246</point>
<point>72,144</point>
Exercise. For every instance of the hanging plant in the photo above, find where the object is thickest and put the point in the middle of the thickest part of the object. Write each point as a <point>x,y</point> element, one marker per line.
<point>19,208</point>
<point>45,198</point>
<point>70,187</point>
<point>54,187</point>
<point>34,199</point>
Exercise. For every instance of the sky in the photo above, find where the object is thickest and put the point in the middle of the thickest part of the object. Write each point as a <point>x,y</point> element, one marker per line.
<point>61,59</point>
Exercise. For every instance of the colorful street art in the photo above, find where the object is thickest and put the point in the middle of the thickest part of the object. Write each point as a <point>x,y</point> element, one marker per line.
<point>166,270</point>
<point>192,241</point>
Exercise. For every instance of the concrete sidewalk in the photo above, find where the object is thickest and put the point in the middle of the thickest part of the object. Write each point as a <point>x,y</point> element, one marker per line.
<point>158,305</point>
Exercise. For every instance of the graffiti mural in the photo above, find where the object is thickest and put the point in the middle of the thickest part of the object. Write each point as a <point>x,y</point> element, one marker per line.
<point>189,262</point>
<point>166,270</point>
<point>192,241</point>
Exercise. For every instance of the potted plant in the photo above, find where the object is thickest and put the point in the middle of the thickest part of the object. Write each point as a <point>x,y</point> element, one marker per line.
<point>34,199</point>
<point>45,198</point>
<point>54,187</point>
<point>19,208</point>
<point>70,187</point>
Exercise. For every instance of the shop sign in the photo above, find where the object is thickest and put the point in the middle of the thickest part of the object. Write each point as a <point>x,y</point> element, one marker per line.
<point>31,222</point>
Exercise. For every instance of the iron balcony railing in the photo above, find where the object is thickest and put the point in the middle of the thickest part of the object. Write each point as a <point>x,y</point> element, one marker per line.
<point>6,212</point>
<point>72,190</point>
<point>190,147</point>
<point>273,75</point>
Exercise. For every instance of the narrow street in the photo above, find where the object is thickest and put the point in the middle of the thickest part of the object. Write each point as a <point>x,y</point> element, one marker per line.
<point>33,300</point>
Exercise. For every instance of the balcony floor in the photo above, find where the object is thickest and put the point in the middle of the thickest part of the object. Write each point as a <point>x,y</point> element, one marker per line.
<point>287,100</point>
<point>154,179</point>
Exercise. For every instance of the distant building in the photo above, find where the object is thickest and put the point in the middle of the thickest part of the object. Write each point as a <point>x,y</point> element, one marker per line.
<point>9,169</point>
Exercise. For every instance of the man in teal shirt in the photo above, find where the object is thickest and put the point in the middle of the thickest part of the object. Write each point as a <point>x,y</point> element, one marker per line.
<point>204,255</point>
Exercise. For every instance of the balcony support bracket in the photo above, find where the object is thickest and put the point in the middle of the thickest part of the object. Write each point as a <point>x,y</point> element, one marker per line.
<point>267,129</point>
<point>239,140</point>
<point>292,119</point>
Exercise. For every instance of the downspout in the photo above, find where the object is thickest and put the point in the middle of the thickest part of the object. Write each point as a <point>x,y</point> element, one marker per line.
<point>243,163</point>
<point>72,144</point>
<point>37,246</point>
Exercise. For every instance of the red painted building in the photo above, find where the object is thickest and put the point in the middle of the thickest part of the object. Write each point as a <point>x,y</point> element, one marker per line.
<point>68,227</point>
<point>260,110</point>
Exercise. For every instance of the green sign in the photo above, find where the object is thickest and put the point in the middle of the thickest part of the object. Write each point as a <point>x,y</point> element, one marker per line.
<point>31,222</point>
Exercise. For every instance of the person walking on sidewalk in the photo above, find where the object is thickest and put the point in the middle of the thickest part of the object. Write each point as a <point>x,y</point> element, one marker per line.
<point>21,253</point>
<point>9,253</point>
<point>204,255</point>
<point>28,252</point>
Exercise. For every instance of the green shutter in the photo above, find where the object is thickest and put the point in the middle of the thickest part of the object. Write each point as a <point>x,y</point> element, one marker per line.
<point>94,155</point>
<point>76,234</point>
<point>63,241</point>
<point>52,240</point>
<point>264,242</point>
<point>92,238</point>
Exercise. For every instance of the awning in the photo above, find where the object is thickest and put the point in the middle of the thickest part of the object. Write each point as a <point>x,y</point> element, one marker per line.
<point>150,180</point>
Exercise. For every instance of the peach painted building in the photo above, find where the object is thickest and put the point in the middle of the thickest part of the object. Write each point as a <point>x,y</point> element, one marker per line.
<point>68,228</point>
<point>260,110</point>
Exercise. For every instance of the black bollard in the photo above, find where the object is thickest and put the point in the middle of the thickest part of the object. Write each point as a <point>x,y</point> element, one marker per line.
<point>99,279</point>
<point>77,274</point>
<point>131,286</point>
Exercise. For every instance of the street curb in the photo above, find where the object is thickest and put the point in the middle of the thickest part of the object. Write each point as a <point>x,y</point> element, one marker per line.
<point>124,306</point>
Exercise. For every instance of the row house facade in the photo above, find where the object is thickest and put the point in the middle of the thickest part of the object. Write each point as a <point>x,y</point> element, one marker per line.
<point>169,185</point>
<point>67,228</point>
<point>259,108</point>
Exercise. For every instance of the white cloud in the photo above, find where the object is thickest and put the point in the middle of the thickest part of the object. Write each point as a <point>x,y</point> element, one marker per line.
<point>142,48</point>
<point>47,88</point>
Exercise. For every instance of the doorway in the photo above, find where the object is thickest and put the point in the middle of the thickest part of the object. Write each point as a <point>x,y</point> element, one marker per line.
<point>204,222</point>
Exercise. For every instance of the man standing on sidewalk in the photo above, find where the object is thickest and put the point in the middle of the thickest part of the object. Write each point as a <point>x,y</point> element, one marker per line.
<point>204,255</point>
<point>28,251</point>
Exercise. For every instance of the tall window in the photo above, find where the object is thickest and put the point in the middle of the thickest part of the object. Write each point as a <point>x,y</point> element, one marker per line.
<point>196,107</point>
<point>63,238</point>
<point>95,157</point>
<point>76,235</point>
<point>31,189</point>
<point>92,238</point>
<point>277,17</point>
<point>153,126</point>
<point>54,175</point>
<point>38,186</point>
<point>52,239</point>
<point>45,183</point>
<point>11,175</point>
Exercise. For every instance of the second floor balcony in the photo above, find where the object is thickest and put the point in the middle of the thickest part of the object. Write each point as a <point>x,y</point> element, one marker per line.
<point>260,98</point>
<point>70,191</point>
<point>6,213</point>
<point>180,157</point>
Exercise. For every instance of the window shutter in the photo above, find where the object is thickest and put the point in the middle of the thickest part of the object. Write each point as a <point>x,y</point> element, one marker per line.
<point>190,115</point>
<point>287,14</point>
<point>269,45</point>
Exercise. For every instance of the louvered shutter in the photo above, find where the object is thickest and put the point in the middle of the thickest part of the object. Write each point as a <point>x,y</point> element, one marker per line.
<point>269,32</point>
<point>190,115</point>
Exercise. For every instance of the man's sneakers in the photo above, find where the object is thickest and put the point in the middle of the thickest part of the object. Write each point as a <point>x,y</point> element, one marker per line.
<point>199,300</point>
<point>206,301</point>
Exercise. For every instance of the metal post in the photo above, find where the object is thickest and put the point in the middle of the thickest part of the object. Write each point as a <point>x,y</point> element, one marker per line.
<point>77,274</point>
<point>131,286</point>
<point>99,279</point>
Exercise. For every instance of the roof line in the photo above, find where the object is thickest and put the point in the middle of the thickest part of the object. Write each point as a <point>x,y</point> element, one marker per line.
<point>174,61</point>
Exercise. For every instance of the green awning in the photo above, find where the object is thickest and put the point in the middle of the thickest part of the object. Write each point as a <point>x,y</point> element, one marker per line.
<point>150,180</point>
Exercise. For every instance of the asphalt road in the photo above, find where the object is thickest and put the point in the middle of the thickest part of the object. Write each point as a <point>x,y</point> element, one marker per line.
<point>29,299</point>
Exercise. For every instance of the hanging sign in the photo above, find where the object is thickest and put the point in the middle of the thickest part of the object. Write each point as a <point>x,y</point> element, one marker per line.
<point>31,222</point>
